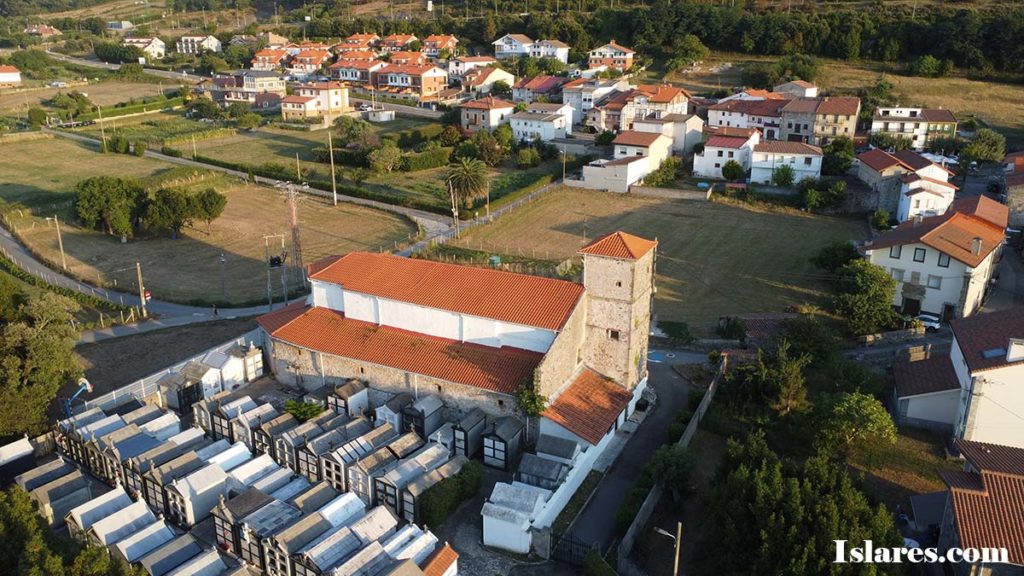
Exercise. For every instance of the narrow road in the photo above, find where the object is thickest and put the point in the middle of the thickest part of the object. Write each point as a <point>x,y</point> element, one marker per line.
<point>107,66</point>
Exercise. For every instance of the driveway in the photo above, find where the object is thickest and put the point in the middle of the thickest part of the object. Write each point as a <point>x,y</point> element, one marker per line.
<point>1009,289</point>
<point>596,523</point>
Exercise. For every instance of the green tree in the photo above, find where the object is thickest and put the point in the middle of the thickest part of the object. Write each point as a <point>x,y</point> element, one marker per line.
<point>248,121</point>
<point>237,110</point>
<point>529,400</point>
<point>303,410</point>
<point>987,146</point>
<point>880,219</point>
<point>834,256</point>
<point>838,156</point>
<point>204,108</point>
<point>733,171</point>
<point>505,137</point>
<point>893,143</point>
<point>450,136</point>
<point>488,148</point>
<point>355,131</point>
<point>864,297</point>
<point>605,138</point>
<point>386,158</point>
<point>209,205</point>
<point>210,64</point>
<point>527,158</point>
<point>501,89</point>
<point>783,175</point>
<point>36,358</point>
<point>468,181</point>
<point>926,65</point>
<point>671,467</point>
<point>790,388</point>
<point>170,209</point>
<point>109,203</point>
<point>859,419</point>
<point>686,49</point>
<point>36,116</point>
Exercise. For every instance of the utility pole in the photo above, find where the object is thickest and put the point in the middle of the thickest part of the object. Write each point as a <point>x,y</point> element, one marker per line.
<point>103,133</point>
<point>194,147</point>
<point>142,290</point>
<point>334,180</point>
<point>455,208</point>
<point>296,242</point>
<point>60,242</point>
<point>298,169</point>
<point>563,163</point>
<point>223,278</point>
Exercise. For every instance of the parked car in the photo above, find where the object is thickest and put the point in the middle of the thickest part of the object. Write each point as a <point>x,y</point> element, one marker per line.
<point>365,108</point>
<point>931,322</point>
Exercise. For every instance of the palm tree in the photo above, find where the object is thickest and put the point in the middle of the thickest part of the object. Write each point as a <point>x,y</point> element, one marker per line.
<point>467,181</point>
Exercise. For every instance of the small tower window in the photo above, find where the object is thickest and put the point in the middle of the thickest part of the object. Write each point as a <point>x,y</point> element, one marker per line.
<point>613,334</point>
<point>619,284</point>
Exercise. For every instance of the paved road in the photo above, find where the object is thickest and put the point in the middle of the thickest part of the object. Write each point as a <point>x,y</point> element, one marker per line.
<point>106,66</point>
<point>597,521</point>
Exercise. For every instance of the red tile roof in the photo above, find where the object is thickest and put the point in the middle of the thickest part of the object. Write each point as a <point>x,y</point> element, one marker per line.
<point>296,99</point>
<point>842,105</point>
<point>785,147</point>
<point>8,69</point>
<point>541,84</point>
<point>516,298</point>
<point>993,457</point>
<point>730,131</point>
<point>620,245</point>
<point>917,161</point>
<point>589,406</point>
<point>662,94</point>
<point>935,374</point>
<point>329,331</point>
<point>989,331</point>
<point>634,138</point>
<point>938,115</point>
<point>878,160</point>
<point>769,107</point>
<point>914,177</point>
<point>725,142</point>
<point>488,103</point>
<point>476,59</point>
<point>440,561</point>
<point>439,39</point>
<point>479,75</point>
<point>357,55</point>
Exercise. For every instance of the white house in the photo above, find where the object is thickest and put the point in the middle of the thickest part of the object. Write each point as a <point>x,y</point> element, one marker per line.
<point>481,80</point>
<point>611,55</point>
<point>457,67</point>
<point>153,48</point>
<point>550,49</point>
<point>923,196</point>
<point>719,150</point>
<point>485,114</point>
<point>9,76</point>
<point>198,44</point>
<point>764,115</point>
<point>583,93</point>
<point>988,357</point>
<point>943,264</point>
<point>685,130</point>
<point>544,121</point>
<point>636,154</point>
<point>804,159</point>
<point>512,46</point>
<point>919,125</point>
<point>315,100</point>
<point>926,393</point>
<point>797,89</point>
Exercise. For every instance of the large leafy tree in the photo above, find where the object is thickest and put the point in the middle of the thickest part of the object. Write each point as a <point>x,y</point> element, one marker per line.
<point>209,205</point>
<point>838,156</point>
<point>987,146</point>
<point>857,418</point>
<point>354,132</point>
<point>468,180</point>
<point>864,297</point>
<point>733,171</point>
<point>171,209</point>
<point>108,203</point>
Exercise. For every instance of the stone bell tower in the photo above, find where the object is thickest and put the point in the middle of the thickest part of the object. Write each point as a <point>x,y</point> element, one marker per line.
<point>618,273</point>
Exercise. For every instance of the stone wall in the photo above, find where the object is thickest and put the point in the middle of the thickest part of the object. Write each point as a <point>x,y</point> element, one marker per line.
<point>671,193</point>
<point>565,354</point>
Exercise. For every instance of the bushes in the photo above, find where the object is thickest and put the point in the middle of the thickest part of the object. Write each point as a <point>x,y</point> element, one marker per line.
<point>527,158</point>
<point>441,499</point>
<point>168,151</point>
<point>343,156</point>
<point>820,195</point>
<point>677,330</point>
<point>665,174</point>
<point>430,158</point>
<point>413,136</point>
<point>139,148</point>
<point>677,426</point>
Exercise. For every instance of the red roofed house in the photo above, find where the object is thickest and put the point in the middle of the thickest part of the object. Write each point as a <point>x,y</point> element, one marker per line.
<point>767,156</point>
<point>721,149</point>
<point>42,30</point>
<point>415,82</point>
<point>308,62</point>
<point>270,59</point>
<point>473,336</point>
<point>397,42</point>
<point>765,115</point>
<point>356,71</point>
<point>356,56</point>
<point>943,264</point>
<point>9,76</point>
<point>908,184</point>
<point>636,154</point>
<point>406,57</point>
<point>326,100</point>
<point>818,120</point>
<point>611,55</point>
<point>435,44</point>
<point>485,114</point>
<point>459,66</point>
<point>481,80</point>
<point>985,509</point>
<point>357,42</point>
<point>528,89</point>
<point>919,125</point>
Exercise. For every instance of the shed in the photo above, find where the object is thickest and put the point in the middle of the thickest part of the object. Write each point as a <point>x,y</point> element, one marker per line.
<point>388,487</point>
<point>262,524</point>
<point>179,393</point>
<point>120,524</point>
<point>557,448</point>
<point>230,368</point>
<point>468,433</point>
<point>206,563</point>
<point>164,427</point>
<point>507,515</point>
<point>392,411</point>
<point>309,455</point>
<point>334,465</point>
<point>244,425</point>
<point>207,376</point>
<point>133,547</point>
<point>15,458</point>
<point>425,415</point>
<point>81,518</point>
<point>352,398</point>
<point>229,514</point>
<point>166,558</point>
<point>44,474</point>
<point>60,496</point>
<point>415,489</point>
<point>264,436</point>
<point>361,474</point>
<point>226,413</point>
<point>252,360</point>
<point>541,472</point>
<point>503,443</point>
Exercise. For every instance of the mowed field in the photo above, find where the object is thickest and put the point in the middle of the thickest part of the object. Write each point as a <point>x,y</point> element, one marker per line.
<point>104,93</point>
<point>713,259</point>
<point>187,269</point>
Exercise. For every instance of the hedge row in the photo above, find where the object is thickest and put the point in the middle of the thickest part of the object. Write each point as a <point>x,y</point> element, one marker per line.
<point>84,299</point>
<point>425,160</point>
<point>414,136</point>
<point>441,499</point>
<point>204,135</point>
<point>343,156</point>
<point>114,111</point>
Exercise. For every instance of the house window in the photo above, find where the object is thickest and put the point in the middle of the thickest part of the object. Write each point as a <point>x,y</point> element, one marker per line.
<point>934,281</point>
<point>944,260</point>
<point>719,153</point>
<point>807,161</point>
<point>919,254</point>
<point>613,334</point>
<point>730,154</point>
<point>717,165</point>
<point>897,274</point>
<point>895,252</point>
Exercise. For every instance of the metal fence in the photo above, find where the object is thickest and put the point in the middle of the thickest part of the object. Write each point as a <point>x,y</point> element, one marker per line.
<point>147,386</point>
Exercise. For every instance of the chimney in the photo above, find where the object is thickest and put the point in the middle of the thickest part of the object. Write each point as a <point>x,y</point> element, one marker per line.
<point>1015,350</point>
<point>976,246</point>
<point>918,219</point>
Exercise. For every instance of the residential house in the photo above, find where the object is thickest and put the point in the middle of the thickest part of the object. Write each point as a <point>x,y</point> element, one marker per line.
<point>984,506</point>
<point>583,93</point>
<point>271,40</point>
<point>120,25</point>
<point>764,115</point>
<point>457,67</point>
<point>357,42</point>
<point>325,100</point>
<point>919,125</point>
<point>243,40</point>
<point>685,130</point>
<point>803,159</point>
<point>922,196</point>
<point>153,48</point>
<point>308,62</point>
<point>797,89</point>
<point>485,114</point>
<point>926,393</point>
<point>547,88</point>
<point>512,46</point>
<point>43,31</point>
<point>611,55</point>
<point>818,120</point>
<point>357,56</point>
<point>198,44</point>
<point>407,58</point>
<point>541,121</point>
<point>636,154</point>
<point>943,264</point>
<point>270,59</point>
<point>719,150</point>
<point>437,44</point>
<point>901,178</point>
<point>360,72</point>
<point>397,42</point>
<point>421,82</point>
<point>10,76</point>
<point>246,86</point>
<point>481,80</point>
<point>752,94</point>
<point>550,49</point>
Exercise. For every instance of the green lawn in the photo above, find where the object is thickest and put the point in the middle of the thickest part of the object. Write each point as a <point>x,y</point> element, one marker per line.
<point>153,128</point>
<point>714,259</point>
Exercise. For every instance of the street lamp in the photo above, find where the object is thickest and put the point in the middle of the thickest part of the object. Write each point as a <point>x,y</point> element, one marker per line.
<point>678,538</point>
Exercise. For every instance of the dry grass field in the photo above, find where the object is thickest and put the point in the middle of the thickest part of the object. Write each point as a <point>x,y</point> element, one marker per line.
<point>713,260</point>
<point>104,93</point>
<point>189,268</point>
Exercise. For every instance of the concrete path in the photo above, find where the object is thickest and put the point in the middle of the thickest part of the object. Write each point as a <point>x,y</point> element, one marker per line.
<point>596,523</point>
<point>1009,289</point>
